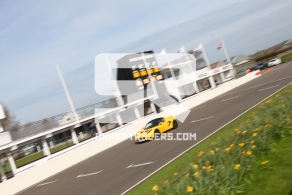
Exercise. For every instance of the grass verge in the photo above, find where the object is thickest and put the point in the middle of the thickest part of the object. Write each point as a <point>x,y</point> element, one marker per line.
<point>274,177</point>
<point>25,160</point>
<point>286,57</point>
<point>277,109</point>
<point>60,147</point>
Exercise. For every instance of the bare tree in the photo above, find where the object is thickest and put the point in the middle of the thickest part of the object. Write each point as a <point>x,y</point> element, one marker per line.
<point>10,123</point>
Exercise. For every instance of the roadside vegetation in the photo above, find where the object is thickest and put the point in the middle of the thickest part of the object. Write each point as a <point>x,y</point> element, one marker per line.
<point>28,159</point>
<point>61,147</point>
<point>286,57</point>
<point>249,156</point>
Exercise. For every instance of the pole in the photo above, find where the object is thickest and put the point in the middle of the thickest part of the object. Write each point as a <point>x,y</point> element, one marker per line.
<point>205,56</point>
<point>172,73</point>
<point>146,65</point>
<point>118,92</point>
<point>152,84</point>
<point>211,78</point>
<point>192,70</point>
<point>227,56</point>
<point>67,93</point>
<point>169,64</point>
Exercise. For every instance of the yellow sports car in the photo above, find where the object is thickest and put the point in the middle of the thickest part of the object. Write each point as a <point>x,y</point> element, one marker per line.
<point>155,127</point>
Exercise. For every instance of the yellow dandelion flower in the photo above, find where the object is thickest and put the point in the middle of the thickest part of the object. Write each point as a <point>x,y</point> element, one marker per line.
<point>237,166</point>
<point>238,132</point>
<point>187,175</point>
<point>204,167</point>
<point>244,132</point>
<point>227,149</point>
<point>155,188</point>
<point>241,144</point>
<point>248,153</point>
<point>253,146</point>
<point>210,168</point>
<point>166,181</point>
<point>212,152</point>
<point>217,149</point>
<point>196,174</point>
<point>195,166</point>
<point>265,162</point>
<point>252,142</point>
<point>256,129</point>
<point>231,145</point>
<point>190,189</point>
<point>175,174</point>
<point>201,153</point>
<point>254,134</point>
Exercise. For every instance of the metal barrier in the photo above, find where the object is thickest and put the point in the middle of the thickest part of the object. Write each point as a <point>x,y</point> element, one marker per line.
<point>58,120</point>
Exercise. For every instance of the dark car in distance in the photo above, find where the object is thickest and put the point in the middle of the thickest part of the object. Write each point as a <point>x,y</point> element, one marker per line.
<point>262,65</point>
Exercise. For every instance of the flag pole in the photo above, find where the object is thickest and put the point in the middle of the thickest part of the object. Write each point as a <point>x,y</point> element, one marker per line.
<point>193,72</point>
<point>228,58</point>
<point>211,78</point>
<point>171,71</point>
<point>169,65</point>
<point>67,94</point>
<point>225,51</point>
<point>188,59</point>
<point>205,56</point>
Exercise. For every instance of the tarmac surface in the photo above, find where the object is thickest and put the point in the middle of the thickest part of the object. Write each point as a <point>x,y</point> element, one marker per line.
<point>116,170</point>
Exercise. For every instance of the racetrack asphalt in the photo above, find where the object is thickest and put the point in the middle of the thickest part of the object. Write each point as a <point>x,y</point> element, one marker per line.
<point>109,173</point>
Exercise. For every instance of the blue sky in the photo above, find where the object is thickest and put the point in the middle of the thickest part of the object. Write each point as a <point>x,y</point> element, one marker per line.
<point>37,35</point>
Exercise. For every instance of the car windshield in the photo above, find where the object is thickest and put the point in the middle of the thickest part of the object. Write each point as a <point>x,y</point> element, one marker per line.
<point>153,123</point>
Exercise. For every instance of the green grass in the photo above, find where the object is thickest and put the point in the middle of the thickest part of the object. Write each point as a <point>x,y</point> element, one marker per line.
<point>6,168</point>
<point>22,161</point>
<point>28,159</point>
<point>286,57</point>
<point>25,160</point>
<point>84,139</point>
<point>275,177</point>
<point>180,165</point>
<point>183,161</point>
<point>60,147</point>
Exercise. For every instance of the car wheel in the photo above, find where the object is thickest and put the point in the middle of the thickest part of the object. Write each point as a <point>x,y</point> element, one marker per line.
<point>156,134</point>
<point>174,124</point>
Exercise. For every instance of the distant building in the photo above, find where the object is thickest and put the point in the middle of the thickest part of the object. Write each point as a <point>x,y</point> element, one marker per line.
<point>217,64</point>
<point>234,60</point>
<point>238,58</point>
